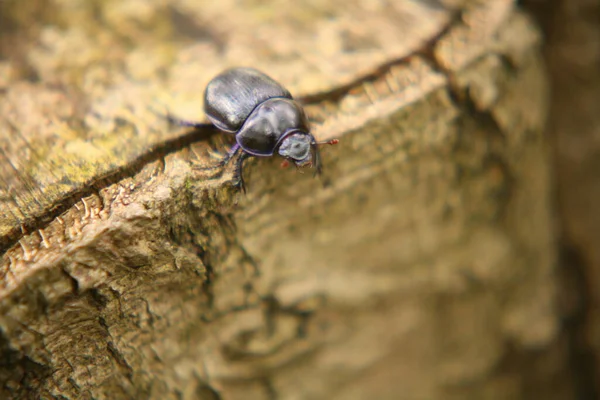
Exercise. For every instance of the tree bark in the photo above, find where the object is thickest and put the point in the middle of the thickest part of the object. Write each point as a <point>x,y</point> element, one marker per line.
<point>421,266</point>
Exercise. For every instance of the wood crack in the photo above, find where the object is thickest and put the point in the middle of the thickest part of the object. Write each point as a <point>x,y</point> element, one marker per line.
<point>163,149</point>
<point>94,186</point>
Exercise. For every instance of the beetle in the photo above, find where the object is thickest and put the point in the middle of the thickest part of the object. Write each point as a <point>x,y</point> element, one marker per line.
<point>263,116</point>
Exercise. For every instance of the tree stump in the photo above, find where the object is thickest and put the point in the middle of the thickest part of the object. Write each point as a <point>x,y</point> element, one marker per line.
<point>421,266</point>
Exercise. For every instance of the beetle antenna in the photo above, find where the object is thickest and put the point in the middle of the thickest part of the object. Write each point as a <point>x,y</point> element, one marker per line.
<point>332,141</point>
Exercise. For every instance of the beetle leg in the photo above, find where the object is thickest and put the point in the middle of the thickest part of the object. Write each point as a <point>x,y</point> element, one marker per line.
<point>317,155</point>
<point>186,124</point>
<point>317,161</point>
<point>224,159</point>
<point>239,171</point>
<point>172,121</point>
<point>232,152</point>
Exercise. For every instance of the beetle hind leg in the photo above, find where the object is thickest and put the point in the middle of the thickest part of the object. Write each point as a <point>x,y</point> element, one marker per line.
<point>174,121</point>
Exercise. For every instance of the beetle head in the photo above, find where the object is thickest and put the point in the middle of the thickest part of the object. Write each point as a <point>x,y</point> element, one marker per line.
<point>298,147</point>
<point>302,149</point>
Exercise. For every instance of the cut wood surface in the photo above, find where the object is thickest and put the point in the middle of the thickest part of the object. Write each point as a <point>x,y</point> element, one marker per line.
<point>420,266</point>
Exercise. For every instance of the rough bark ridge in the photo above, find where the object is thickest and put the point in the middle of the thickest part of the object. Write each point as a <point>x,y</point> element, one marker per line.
<point>422,269</point>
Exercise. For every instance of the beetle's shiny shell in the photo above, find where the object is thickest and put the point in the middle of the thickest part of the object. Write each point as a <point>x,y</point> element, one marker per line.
<point>269,123</point>
<point>232,95</point>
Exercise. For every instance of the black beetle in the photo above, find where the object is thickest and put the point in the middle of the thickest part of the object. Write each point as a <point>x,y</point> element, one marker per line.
<point>263,116</point>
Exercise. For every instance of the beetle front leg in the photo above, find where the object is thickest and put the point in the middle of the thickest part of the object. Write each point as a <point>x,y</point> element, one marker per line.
<point>238,173</point>
<point>225,159</point>
<point>232,152</point>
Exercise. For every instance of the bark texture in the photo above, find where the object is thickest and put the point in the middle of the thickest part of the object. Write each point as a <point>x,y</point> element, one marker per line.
<point>420,267</point>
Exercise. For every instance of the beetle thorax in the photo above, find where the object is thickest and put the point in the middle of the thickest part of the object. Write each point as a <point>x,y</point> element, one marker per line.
<point>269,124</point>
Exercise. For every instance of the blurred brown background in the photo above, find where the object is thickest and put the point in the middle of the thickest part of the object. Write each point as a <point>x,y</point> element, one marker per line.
<point>572,51</point>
